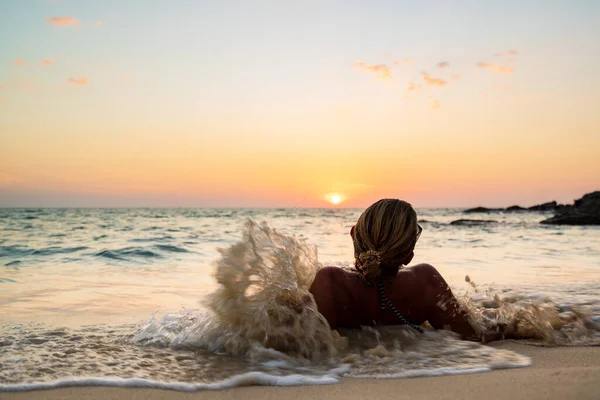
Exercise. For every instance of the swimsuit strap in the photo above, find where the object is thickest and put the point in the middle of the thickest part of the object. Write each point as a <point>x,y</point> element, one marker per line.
<point>385,300</point>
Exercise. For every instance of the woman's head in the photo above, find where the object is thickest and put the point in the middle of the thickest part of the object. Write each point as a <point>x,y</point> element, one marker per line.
<point>384,238</point>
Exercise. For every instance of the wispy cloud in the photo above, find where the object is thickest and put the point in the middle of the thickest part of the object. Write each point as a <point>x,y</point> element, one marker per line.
<point>99,24</point>
<point>443,64</point>
<point>496,68</point>
<point>510,53</point>
<point>47,62</point>
<point>435,104</point>
<point>19,62</point>
<point>62,21</point>
<point>411,87</point>
<point>382,71</point>
<point>405,61</point>
<point>80,82</point>
<point>433,81</point>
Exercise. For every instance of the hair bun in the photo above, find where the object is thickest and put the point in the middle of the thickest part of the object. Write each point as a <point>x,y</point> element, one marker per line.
<point>369,262</point>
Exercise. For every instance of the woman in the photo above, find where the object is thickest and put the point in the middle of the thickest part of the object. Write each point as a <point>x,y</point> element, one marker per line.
<point>381,291</point>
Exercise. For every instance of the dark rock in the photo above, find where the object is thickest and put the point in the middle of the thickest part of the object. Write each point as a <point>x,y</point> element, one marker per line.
<point>585,211</point>
<point>544,207</point>
<point>472,222</point>
<point>515,208</point>
<point>483,210</point>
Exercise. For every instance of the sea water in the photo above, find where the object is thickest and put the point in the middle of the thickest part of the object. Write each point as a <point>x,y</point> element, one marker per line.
<point>191,299</point>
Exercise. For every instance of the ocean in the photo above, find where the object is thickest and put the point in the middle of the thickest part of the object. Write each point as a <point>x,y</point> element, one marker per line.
<point>192,299</point>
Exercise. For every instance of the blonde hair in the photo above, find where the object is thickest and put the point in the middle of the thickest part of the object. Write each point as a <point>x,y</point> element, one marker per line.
<point>384,237</point>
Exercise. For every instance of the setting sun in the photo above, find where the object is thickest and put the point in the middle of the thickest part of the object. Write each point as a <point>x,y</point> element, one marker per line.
<point>335,198</point>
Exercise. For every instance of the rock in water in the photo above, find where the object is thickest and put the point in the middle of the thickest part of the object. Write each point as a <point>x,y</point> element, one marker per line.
<point>585,211</point>
<point>473,222</point>
<point>483,210</point>
<point>544,207</point>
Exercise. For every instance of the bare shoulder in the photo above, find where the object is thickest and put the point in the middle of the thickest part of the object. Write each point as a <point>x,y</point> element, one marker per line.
<point>333,273</point>
<point>333,279</point>
<point>422,272</point>
<point>422,278</point>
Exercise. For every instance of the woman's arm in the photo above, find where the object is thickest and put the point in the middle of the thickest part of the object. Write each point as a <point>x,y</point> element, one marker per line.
<point>322,290</point>
<point>444,311</point>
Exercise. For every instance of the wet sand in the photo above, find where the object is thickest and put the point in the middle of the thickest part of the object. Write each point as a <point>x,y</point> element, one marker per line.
<point>556,373</point>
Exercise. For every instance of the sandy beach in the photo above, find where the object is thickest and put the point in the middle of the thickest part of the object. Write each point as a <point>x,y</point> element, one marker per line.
<point>556,373</point>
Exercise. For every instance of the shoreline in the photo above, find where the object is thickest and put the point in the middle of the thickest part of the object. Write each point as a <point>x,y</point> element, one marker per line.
<point>555,373</point>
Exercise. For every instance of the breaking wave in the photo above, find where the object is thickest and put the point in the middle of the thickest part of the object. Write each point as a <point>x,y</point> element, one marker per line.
<point>261,326</point>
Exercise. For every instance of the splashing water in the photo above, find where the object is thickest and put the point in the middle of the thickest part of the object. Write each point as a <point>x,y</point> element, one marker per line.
<point>264,311</point>
<point>262,319</point>
<point>262,303</point>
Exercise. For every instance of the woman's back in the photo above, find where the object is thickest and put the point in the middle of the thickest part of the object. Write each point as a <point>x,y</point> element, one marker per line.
<point>381,291</point>
<point>418,294</point>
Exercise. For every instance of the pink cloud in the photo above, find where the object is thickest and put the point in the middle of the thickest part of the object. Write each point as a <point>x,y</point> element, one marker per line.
<point>443,64</point>
<point>435,104</point>
<point>510,53</point>
<point>19,62</point>
<point>405,61</point>
<point>382,71</point>
<point>62,21</point>
<point>47,61</point>
<point>411,87</point>
<point>496,68</point>
<point>81,82</point>
<point>99,24</point>
<point>433,81</point>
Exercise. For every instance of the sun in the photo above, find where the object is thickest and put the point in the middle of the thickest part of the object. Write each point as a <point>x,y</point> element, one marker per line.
<point>335,198</point>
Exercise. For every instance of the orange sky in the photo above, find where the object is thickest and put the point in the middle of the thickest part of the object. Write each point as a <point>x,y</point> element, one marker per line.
<point>277,106</point>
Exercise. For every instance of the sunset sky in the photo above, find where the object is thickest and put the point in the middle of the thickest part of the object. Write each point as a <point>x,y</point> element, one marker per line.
<point>278,103</point>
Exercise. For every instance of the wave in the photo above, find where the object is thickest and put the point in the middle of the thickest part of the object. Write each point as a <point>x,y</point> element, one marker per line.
<point>24,251</point>
<point>13,263</point>
<point>48,251</point>
<point>263,311</point>
<point>128,252</point>
<point>15,251</point>
<point>262,326</point>
<point>131,253</point>
<point>170,248</point>
<point>247,379</point>
<point>152,239</point>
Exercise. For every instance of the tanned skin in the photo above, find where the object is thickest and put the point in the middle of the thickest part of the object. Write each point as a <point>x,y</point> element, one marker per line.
<point>419,293</point>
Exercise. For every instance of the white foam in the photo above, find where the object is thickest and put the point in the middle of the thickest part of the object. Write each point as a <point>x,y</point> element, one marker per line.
<point>419,373</point>
<point>247,379</point>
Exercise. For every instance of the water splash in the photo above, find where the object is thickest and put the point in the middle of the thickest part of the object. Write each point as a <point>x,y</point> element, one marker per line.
<point>264,312</point>
<point>263,319</point>
<point>262,302</point>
